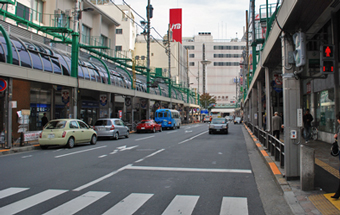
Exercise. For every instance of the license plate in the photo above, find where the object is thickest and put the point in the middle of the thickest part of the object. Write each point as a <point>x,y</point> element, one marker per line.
<point>143,127</point>
<point>217,129</point>
<point>51,136</point>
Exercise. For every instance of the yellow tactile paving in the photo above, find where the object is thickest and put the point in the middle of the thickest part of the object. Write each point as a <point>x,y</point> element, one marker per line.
<point>274,168</point>
<point>5,150</point>
<point>327,167</point>
<point>335,202</point>
<point>258,145</point>
<point>264,153</point>
<point>324,205</point>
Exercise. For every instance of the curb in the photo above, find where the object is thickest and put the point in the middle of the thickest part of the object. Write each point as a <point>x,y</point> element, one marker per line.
<point>279,179</point>
<point>19,149</point>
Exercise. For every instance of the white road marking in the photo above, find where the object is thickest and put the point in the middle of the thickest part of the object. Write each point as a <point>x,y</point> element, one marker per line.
<point>114,152</point>
<point>123,148</point>
<point>31,201</point>
<point>77,152</point>
<point>181,204</point>
<point>130,204</point>
<point>77,204</point>
<point>188,131</point>
<point>170,132</point>
<point>28,156</point>
<point>179,169</point>
<point>187,128</point>
<point>149,155</point>
<point>58,150</point>
<point>11,191</point>
<point>101,178</point>
<point>102,156</point>
<point>144,138</point>
<point>192,137</point>
<point>234,206</point>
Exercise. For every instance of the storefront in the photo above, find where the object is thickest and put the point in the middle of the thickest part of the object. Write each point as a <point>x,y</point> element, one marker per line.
<point>325,117</point>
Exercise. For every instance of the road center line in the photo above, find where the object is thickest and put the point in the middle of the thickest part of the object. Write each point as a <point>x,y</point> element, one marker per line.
<point>101,178</point>
<point>144,138</point>
<point>72,153</point>
<point>176,169</point>
<point>149,155</point>
<point>170,132</point>
<point>192,137</point>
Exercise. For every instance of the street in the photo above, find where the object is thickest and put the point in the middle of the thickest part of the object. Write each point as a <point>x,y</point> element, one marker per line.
<point>185,171</point>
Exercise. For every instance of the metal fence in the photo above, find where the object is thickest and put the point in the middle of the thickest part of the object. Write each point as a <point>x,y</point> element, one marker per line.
<point>274,146</point>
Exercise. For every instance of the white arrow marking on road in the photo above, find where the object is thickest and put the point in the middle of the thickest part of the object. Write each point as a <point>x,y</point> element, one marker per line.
<point>102,156</point>
<point>114,152</point>
<point>123,148</point>
<point>28,156</point>
<point>188,131</point>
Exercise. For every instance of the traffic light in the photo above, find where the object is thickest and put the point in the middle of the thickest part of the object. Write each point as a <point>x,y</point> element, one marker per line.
<point>327,59</point>
<point>300,49</point>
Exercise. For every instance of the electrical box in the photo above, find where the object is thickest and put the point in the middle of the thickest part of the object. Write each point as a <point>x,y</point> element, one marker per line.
<point>293,134</point>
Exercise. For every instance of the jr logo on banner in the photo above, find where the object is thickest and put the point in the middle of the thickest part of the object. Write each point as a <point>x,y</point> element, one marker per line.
<point>176,24</point>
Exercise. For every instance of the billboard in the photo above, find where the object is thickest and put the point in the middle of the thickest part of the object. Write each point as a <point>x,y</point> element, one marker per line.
<point>176,24</point>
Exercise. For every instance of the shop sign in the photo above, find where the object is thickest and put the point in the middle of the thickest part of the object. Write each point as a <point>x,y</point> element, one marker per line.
<point>90,104</point>
<point>31,135</point>
<point>120,114</point>
<point>103,99</point>
<point>3,85</point>
<point>65,96</point>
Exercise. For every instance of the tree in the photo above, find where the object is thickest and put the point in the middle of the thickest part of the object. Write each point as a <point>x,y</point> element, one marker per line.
<point>206,100</point>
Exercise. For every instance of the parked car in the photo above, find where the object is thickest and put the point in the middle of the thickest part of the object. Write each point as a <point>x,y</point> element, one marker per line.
<point>218,125</point>
<point>66,132</point>
<point>111,127</point>
<point>148,125</point>
<point>229,118</point>
<point>237,120</point>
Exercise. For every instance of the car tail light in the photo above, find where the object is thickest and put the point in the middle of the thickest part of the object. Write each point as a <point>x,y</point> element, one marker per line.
<point>93,127</point>
<point>40,135</point>
<point>112,127</point>
<point>64,134</point>
<point>169,123</point>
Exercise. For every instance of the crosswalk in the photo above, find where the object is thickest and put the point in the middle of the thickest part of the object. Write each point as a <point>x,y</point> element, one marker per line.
<point>180,204</point>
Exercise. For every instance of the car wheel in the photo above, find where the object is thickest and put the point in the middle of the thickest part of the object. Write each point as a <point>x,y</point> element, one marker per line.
<point>210,132</point>
<point>116,136</point>
<point>179,126</point>
<point>154,130</point>
<point>93,140</point>
<point>160,129</point>
<point>43,147</point>
<point>127,134</point>
<point>70,142</point>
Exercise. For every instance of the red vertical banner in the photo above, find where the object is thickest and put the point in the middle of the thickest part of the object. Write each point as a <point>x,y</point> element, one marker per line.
<point>176,24</point>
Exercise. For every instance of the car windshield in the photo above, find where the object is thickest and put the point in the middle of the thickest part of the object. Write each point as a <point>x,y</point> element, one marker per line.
<point>55,125</point>
<point>103,122</point>
<point>218,121</point>
<point>145,122</point>
<point>238,118</point>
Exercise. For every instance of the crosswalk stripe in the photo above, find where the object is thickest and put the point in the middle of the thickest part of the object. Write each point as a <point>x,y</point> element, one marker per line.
<point>11,191</point>
<point>30,201</point>
<point>130,204</point>
<point>78,203</point>
<point>181,204</point>
<point>234,205</point>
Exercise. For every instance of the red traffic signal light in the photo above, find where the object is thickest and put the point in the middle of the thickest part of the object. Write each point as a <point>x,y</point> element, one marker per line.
<point>327,51</point>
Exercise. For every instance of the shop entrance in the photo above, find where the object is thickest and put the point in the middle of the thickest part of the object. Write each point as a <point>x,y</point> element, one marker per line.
<point>89,115</point>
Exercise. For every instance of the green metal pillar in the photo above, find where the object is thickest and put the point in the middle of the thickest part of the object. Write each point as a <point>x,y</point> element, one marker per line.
<point>148,81</point>
<point>169,88</point>
<point>75,55</point>
<point>9,45</point>
<point>106,68</point>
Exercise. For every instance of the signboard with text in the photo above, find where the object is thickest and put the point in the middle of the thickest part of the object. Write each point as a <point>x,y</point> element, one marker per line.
<point>176,24</point>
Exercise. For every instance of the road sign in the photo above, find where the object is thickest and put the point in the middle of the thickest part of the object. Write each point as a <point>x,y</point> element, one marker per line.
<point>3,85</point>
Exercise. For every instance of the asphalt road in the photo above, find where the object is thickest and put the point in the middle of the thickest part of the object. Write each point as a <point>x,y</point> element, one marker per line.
<point>185,171</point>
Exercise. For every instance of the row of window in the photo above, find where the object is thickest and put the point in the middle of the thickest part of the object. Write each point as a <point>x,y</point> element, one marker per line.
<point>219,47</point>
<point>220,63</point>
<point>227,55</point>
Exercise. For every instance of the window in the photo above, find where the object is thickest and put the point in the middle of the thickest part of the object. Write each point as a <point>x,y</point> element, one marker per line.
<point>118,48</point>
<point>82,125</point>
<point>227,55</point>
<point>191,55</point>
<point>103,40</point>
<point>190,47</point>
<point>226,64</point>
<point>119,31</point>
<point>22,11</point>
<point>191,63</point>
<point>85,35</point>
<point>38,10</point>
<point>324,118</point>
<point>74,124</point>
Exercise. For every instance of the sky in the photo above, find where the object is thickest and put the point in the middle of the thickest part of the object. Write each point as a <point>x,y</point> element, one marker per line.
<point>225,19</point>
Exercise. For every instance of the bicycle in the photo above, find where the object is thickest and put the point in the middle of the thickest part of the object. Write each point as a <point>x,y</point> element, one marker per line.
<point>313,134</point>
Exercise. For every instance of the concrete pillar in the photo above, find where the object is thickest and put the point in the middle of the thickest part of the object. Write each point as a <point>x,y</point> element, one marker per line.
<point>259,103</point>
<point>254,116</point>
<point>335,30</point>
<point>74,102</point>
<point>307,161</point>
<point>291,102</point>
<point>268,100</point>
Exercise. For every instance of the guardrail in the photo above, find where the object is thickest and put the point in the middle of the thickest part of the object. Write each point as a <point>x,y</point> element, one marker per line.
<point>274,146</point>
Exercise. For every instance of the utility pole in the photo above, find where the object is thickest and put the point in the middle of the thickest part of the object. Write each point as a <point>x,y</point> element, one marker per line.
<point>203,69</point>
<point>169,57</point>
<point>236,91</point>
<point>148,46</point>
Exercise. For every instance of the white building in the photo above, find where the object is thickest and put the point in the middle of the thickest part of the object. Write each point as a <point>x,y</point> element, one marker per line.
<point>221,72</point>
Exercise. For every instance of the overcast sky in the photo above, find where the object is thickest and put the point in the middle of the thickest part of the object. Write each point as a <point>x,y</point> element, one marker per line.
<point>223,18</point>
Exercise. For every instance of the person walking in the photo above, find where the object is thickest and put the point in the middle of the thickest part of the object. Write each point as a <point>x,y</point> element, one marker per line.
<point>277,123</point>
<point>337,194</point>
<point>44,120</point>
<point>307,120</point>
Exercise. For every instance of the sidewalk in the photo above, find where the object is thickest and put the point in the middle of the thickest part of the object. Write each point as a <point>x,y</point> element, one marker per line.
<point>317,201</point>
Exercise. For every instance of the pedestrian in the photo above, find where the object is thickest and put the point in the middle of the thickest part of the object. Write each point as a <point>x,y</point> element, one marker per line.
<point>337,194</point>
<point>277,122</point>
<point>307,120</point>
<point>44,120</point>
<point>264,121</point>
